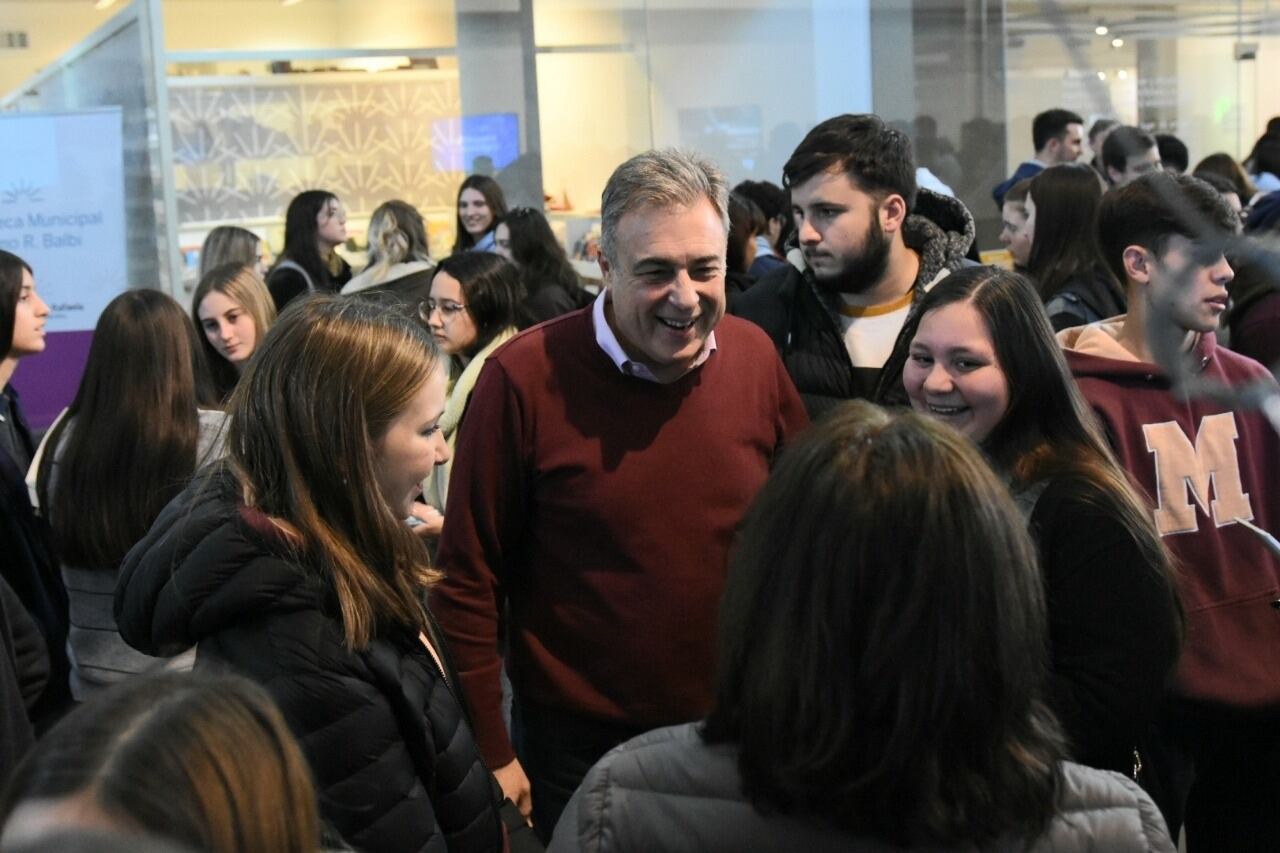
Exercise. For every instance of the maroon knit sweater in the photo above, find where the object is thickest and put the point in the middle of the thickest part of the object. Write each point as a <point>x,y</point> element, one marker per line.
<point>603,507</point>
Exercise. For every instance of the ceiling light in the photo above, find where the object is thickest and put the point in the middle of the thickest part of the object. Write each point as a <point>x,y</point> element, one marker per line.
<point>104,4</point>
<point>1102,75</point>
<point>1117,42</point>
<point>1101,29</point>
<point>290,2</point>
<point>1122,74</point>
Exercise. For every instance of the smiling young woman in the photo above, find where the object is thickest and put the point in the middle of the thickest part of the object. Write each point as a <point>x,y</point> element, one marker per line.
<point>978,353</point>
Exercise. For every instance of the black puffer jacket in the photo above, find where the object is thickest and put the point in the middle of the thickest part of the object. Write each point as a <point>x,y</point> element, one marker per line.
<point>803,321</point>
<point>393,758</point>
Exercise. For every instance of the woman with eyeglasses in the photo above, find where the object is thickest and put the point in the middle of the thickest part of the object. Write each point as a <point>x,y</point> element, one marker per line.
<point>475,297</point>
<point>551,285</point>
<point>314,226</point>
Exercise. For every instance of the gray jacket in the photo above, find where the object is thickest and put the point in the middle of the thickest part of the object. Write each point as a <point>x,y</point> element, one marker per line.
<point>667,790</point>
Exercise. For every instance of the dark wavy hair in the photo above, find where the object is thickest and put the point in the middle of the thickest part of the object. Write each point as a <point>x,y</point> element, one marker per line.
<point>492,290</point>
<point>203,760</point>
<point>136,429</point>
<point>11,268</point>
<point>1150,210</point>
<point>746,220</point>
<point>537,253</point>
<point>1225,166</point>
<point>492,192</point>
<point>883,640</point>
<point>876,158</point>
<point>301,235</point>
<point>1064,246</point>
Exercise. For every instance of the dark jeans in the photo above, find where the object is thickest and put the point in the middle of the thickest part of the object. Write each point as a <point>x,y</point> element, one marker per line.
<point>556,749</point>
<point>1219,774</point>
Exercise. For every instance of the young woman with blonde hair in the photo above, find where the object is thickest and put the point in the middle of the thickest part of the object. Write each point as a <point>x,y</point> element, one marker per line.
<point>399,261</point>
<point>202,760</point>
<point>292,564</point>
<point>233,310</point>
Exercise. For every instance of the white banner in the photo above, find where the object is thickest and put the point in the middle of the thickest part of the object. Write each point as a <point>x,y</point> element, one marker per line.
<point>62,208</point>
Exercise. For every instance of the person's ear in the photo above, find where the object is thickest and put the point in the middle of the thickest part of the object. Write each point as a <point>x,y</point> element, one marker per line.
<point>606,270</point>
<point>893,212</point>
<point>1137,264</point>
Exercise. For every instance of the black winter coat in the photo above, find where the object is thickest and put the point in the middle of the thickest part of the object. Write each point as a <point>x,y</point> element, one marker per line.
<point>803,321</point>
<point>395,764</point>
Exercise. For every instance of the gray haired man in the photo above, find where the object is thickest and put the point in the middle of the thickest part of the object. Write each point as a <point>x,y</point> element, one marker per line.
<point>606,458</point>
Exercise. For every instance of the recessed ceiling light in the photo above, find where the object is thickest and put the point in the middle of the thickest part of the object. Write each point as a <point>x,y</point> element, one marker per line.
<point>1101,29</point>
<point>104,4</point>
<point>1117,42</point>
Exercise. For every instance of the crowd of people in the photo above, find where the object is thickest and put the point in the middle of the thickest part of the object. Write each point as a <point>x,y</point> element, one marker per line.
<point>803,530</point>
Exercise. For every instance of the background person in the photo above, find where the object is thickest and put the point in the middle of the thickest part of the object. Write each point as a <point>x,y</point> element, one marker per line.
<point>551,286</point>
<point>231,244</point>
<point>881,653</point>
<point>233,311</point>
<point>399,261</point>
<point>473,308</point>
<point>314,226</point>
<point>28,563</point>
<point>1015,229</point>
<point>481,205</point>
<point>136,412</point>
<point>1065,263</point>
<point>292,564</point>
<point>1224,165</point>
<point>1058,137</point>
<point>1128,154</point>
<point>151,757</point>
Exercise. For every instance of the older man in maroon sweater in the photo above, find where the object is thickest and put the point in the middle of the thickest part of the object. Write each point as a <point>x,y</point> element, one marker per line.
<point>606,458</point>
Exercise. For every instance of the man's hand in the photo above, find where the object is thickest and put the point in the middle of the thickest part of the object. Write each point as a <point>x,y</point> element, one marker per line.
<point>515,787</point>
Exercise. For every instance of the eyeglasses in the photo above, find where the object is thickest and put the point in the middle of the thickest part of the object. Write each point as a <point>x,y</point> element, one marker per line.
<point>447,307</point>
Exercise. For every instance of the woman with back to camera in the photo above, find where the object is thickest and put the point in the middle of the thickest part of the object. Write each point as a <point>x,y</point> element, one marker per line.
<point>26,552</point>
<point>474,305</point>
<point>202,760</point>
<point>291,563</point>
<point>882,639</point>
<point>481,206</point>
<point>551,285</point>
<point>231,244</point>
<point>978,354</point>
<point>233,310</point>
<point>128,443</point>
<point>399,262</point>
<point>1065,263</point>
<point>314,226</point>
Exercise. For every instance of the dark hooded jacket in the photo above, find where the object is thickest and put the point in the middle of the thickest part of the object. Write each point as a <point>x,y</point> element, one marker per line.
<point>395,764</point>
<point>803,319</point>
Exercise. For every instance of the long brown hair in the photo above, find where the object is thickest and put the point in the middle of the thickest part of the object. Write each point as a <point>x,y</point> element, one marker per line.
<point>883,640</point>
<point>1048,430</point>
<point>243,286</point>
<point>319,394</point>
<point>136,431</point>
<point>203,760</point>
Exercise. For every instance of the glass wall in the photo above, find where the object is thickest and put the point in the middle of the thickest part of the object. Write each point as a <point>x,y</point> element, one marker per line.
<point>402,98</point>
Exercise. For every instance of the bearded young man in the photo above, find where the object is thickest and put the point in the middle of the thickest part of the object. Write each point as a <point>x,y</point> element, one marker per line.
<point>869,244</point>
